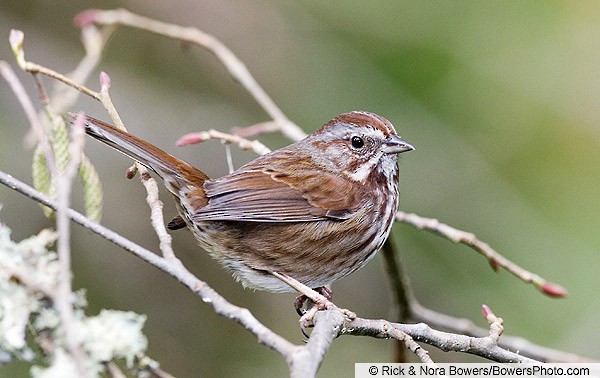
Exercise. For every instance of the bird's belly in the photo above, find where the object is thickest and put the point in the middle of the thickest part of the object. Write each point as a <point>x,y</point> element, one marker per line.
<point>314,253</point>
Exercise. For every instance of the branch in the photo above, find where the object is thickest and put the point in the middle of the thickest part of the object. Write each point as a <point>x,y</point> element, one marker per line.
<point>16,42</point>
<point>234,65</point>
<point>28,107</point>
<point>243,143</point>
<point>495,259</point>
<point>411,309</point>
<point>480,346</point>
<point>63,297</point>
<point>52,152</point>
<point>403,296</point>
<point>467,327</point>
<point>93,41</point>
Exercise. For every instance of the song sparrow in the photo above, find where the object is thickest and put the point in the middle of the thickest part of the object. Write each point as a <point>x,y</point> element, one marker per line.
<point>316,210</point>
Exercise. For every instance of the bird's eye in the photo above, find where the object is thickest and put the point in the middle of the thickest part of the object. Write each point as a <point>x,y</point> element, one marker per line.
<point>357,142</point>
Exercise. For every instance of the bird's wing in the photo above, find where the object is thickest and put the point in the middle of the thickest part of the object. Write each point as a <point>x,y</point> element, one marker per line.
<point>279,193</point>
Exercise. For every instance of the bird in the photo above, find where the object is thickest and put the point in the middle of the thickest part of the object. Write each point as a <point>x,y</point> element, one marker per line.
<point>316,210</point>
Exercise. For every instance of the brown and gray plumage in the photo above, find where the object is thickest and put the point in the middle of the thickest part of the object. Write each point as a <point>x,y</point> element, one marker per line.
<point>316,210</point>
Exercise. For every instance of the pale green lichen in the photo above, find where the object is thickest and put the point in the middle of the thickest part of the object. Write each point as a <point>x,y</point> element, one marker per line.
<point>26,312</point>
<point>62,366</point>
<point>114,335</point>
<point>17,303</point>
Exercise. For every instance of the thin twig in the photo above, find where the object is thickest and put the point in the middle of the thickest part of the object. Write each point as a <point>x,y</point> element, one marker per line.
<point>411,309</point>
<point>63,297</point>
<point>159,373</point>
<point>402,293</point>
<point>256,129</point>
<point>152,198</point>
<point>242,143</point>
<point>234,65</point>
<point>412,345</point>
<point>30,112</point>
<point>106,101</point>
<point>496,327</point>
<point>399,281</point>
<point>302,288</point>
<point>114,371</point>
<point>495,259</point>
<point>156,213</point>
<point>16,42</point>
<point>94,42</point>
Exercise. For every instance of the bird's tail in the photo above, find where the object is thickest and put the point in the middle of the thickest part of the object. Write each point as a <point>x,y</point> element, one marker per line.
<point>176,173</point>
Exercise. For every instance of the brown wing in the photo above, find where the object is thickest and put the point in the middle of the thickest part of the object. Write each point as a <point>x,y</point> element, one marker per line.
<point>263,192</point>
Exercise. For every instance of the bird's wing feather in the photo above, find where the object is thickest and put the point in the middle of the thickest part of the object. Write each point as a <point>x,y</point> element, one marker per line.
<point>263,193</point>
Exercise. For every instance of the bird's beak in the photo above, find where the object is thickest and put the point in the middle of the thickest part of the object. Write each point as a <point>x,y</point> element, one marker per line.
<point>396,145</point>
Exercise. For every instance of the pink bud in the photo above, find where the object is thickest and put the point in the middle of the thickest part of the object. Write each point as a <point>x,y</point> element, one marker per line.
<point>486,311</point>
<point>494,264</point>
<point>85,18</point>
<point>131,171</point>
<point>188,139</point>
<point>104,79</point>
<point>16,38</point>
<point>554,290</point>
<point>80,120</point>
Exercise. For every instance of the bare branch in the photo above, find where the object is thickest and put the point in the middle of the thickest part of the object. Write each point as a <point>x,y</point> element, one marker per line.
<point>93,41</point>
<point>411,309</point>
<point>495,259</point>
<point>114,371</point>
<point>411,344</point>
<point>480,346</point>
<point>256,129</point>
<point>106,101</point>
<point>63,297</point>
<point>152,198</point>
<point>244,144</point>
<point>467,327</point>
<point>29,109</point>
<point>305,361</point>
<point>156,213</point>
<point>236,67</point>
<point>400,283</point>
<point>16,42</point>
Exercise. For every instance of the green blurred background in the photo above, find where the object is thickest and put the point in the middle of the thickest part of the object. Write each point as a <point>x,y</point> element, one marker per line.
<point>501,100</point>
